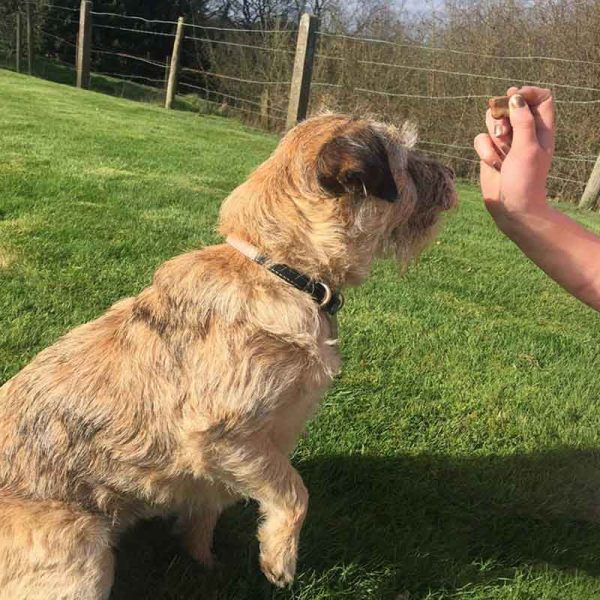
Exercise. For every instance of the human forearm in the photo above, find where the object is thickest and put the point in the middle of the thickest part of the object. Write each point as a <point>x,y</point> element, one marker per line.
<point>566,251</point>
<point>516,155</point>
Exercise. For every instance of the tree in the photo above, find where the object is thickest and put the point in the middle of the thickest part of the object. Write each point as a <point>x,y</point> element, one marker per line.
<point>115,34</point>
<point>8,10</point>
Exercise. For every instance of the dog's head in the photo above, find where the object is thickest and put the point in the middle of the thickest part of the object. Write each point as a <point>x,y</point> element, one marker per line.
<point>337,192</point>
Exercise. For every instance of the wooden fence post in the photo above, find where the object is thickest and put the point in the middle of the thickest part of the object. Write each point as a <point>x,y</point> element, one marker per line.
<point>29,38</point>
<point>303,66</point>
<point>84,44</point>
<point>265,103</point>
<point>18,43</point>
<point>174,66</point>
<point>591,194</point>
<point>166,83</point>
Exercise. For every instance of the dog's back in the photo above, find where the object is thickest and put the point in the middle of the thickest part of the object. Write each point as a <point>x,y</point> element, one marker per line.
<point>108,420</point>
<point>74,413</point>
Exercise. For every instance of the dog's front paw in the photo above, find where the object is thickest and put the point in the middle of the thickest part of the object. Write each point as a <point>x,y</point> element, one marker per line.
<point>278,562</point>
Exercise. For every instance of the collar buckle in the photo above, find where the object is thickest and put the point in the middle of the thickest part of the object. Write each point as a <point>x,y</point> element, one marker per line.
<point>335,304</point>
<point>328,295</point>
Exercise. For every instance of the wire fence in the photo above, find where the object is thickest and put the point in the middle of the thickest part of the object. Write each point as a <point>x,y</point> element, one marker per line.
<point>247,73</point>
<point>225,70</point>
<point>444,90</point>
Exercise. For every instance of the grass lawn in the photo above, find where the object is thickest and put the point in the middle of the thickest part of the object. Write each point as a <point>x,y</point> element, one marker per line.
<point>454,458</point>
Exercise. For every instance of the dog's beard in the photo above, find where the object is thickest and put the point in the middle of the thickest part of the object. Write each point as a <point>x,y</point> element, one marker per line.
<point>409,239</point>
<point>367,215</point>
<point>384,231</point>
<point>407,245</point>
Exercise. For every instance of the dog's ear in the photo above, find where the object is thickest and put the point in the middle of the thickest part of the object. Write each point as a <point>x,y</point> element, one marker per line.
<point>433,180</point>
<point>356,162</point>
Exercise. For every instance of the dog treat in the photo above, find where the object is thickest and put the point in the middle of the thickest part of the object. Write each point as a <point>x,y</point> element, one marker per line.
<point>499,106</point>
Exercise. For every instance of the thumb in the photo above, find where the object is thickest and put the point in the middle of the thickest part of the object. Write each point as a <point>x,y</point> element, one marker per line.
<point>522,122</point>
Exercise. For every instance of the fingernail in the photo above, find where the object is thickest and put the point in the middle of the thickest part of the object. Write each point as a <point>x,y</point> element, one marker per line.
<point>497,165</point>
<point>497,130</point>
<point>516,101</point>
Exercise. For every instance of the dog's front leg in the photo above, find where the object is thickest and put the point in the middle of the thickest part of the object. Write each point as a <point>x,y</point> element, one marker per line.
<point>255,468</point>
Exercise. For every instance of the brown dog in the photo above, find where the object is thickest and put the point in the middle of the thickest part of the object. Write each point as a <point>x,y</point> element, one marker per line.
<point>190,396</point>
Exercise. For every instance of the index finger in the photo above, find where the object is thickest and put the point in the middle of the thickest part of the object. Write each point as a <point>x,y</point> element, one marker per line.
<point>541,103</point>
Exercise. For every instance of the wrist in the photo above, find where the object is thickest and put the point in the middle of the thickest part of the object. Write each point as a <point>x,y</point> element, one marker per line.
<point>510,212</point>
<point>522,220</point>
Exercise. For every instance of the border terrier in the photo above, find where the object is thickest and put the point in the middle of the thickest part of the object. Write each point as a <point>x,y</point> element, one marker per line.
<point>190,396</point>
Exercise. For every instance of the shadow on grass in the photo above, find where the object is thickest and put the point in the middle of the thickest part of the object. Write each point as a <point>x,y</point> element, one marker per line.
<point>419,523</point>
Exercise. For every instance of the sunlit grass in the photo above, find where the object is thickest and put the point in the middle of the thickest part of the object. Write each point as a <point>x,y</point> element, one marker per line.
<point>455,456</point>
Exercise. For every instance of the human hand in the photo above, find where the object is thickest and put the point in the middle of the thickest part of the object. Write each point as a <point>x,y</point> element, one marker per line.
<point>516,155</point>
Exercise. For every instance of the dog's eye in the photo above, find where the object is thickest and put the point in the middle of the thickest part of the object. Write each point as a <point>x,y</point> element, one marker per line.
<point>353,181</point>
<point>353,176</point>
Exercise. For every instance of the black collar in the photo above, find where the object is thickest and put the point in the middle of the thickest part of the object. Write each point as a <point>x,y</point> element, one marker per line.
<point>320,292</point>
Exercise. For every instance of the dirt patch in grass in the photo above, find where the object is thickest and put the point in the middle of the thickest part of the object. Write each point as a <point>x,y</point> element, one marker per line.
<point>12,165</point>
<point>7,257</point>
<point>24,224</point>
<point>110,172</point>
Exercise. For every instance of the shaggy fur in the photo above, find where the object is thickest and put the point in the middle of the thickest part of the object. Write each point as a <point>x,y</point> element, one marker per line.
<point>190,396</point>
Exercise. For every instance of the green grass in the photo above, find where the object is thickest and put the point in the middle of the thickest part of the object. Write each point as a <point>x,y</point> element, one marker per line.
<point>455,457</point>
<point>61,72</point>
